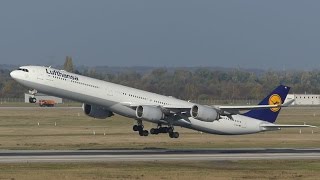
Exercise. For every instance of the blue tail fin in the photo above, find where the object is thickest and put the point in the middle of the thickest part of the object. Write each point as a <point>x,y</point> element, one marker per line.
<point>277,96</point>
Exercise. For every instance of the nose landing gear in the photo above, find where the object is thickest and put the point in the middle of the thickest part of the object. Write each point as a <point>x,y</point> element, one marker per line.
<point>32,98</point>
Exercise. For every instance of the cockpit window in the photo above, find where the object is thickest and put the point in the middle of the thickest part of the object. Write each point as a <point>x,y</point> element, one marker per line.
<point>25,70</point>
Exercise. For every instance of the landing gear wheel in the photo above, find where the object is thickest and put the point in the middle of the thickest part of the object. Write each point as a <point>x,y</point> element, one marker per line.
<point>139,128</point>
<point>171,135</point>
<point>145,133</point>
<point>174,135</point>
<point>163,130</point>
<point>141,133</point>
<point>154,131</point>
<point>170,130</point>
<point>32,100</point>
<point>135,128</point>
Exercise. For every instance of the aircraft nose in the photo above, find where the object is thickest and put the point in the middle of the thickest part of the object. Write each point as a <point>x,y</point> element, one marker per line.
<point>14,74</point>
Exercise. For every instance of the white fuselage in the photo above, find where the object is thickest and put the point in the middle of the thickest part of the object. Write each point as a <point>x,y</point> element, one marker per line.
<point>113,97</point>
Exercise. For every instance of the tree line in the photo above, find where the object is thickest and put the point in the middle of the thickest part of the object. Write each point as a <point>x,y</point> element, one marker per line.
<point>207,84</point>
<point>195,84</point>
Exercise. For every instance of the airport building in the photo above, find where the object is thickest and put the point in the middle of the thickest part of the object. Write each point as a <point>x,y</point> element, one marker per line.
<point>304,99</point>
<point>40,96</point>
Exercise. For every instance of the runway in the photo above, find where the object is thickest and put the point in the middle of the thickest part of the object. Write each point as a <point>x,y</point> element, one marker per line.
<point>9,156</point>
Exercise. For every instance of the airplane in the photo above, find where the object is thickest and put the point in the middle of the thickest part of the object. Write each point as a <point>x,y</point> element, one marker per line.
<point>103,99</point>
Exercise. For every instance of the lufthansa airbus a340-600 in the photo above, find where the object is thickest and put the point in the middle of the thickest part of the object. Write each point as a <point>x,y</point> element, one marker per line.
<point>102,99</point>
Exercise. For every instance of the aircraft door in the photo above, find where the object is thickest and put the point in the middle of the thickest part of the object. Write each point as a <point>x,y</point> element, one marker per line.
<point>40,76</point>
<point>243,123</point>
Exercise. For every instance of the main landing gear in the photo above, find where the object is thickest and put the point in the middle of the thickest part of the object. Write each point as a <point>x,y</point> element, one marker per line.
<point>139,128</point>
<point>158,130</point>
<point>169,130</point>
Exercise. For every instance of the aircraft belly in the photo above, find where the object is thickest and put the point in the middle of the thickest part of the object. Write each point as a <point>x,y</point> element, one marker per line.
<point>123,110</point>
<point>222,127</point>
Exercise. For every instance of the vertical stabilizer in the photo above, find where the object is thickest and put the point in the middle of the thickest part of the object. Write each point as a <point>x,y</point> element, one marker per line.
<point>277,96</point>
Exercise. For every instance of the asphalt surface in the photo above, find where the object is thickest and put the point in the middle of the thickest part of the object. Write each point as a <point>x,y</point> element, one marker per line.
<point>13,156</point>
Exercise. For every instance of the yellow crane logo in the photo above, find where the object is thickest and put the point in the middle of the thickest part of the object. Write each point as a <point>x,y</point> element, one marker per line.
<point>275,99</point>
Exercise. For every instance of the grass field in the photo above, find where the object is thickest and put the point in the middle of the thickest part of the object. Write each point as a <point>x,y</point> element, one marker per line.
<point>276,169</point>
<point>19,130</point>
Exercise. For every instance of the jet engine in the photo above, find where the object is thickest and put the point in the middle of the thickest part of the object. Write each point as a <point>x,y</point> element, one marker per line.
<point>204,113</point>
<point>150,113</point>
<point>96,111</point>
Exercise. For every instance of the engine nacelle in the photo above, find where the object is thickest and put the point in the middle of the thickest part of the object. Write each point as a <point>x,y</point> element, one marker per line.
<point>204,113</point>
<point>150,113</point>
<point>96,111</point>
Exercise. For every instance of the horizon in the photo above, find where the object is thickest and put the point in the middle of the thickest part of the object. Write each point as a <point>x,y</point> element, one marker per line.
<point>215,68</point>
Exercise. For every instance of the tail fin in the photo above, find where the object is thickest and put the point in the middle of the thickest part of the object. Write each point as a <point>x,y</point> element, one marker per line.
<point>277,96</point>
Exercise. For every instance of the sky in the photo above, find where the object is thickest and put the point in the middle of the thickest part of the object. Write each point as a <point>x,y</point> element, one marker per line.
<point>274,34</point>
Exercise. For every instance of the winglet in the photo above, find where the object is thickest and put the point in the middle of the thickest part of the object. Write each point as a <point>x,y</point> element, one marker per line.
<point>286,104</point>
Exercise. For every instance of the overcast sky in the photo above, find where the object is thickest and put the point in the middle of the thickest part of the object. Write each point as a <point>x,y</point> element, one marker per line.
<point>280,34</point>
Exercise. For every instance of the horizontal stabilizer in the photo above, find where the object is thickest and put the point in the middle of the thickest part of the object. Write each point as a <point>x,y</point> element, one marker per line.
<point>286,126</point>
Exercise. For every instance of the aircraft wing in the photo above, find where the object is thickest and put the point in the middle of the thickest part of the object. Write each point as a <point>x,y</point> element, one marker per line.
<point>240,108</point>
<point>131,105</point>
<point>227,108</point>
<point>236,109</point>
<point>230,108</point>
<point>169,109</point>
<point>165,109</point>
